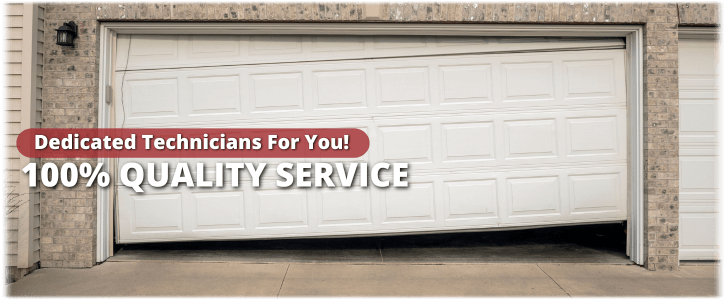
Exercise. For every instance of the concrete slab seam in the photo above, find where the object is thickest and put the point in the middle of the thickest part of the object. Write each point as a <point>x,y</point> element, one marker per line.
<point>283,280</point>
<point>548,275</point>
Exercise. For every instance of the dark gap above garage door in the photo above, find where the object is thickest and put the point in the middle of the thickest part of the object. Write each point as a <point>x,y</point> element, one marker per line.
<point>602,243</point>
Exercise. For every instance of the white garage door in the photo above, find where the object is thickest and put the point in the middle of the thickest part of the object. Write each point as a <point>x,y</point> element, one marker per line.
<point>498,132</point>
<point>698,86</point>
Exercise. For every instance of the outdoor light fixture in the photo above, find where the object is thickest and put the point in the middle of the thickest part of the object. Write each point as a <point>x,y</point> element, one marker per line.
<point>66,34</point>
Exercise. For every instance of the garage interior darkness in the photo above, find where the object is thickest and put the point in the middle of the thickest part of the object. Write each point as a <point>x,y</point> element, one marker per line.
<point>597,243</point>
<point>510,132</point>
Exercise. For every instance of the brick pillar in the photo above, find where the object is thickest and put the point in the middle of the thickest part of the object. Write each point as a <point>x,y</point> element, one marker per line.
<point>661,136</point>
<point>70,100</point>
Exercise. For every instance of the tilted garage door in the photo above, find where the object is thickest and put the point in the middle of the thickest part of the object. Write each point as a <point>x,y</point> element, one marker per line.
<point>499,132</point>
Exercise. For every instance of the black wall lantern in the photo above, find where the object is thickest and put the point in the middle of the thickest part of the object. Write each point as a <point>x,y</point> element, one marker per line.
<point>66,34</point>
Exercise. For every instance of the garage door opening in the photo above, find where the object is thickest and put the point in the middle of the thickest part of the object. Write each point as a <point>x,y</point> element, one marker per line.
<point>598,243</point>
<point>499,132</point>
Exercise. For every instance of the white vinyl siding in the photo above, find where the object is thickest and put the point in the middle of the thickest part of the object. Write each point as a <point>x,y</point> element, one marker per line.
<point>23,74</point>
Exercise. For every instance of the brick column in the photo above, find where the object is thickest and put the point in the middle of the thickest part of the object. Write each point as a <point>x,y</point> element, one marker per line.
<point>70,100</point>
<point>661,136</point>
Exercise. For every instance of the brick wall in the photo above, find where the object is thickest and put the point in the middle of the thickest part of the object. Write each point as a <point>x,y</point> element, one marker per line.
<point>661,135</point>
<point>69,214</point>
<point>688,13</point>
<point>70,86</point>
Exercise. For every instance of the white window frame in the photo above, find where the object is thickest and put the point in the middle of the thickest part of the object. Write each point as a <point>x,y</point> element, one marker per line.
<point>634,77</point>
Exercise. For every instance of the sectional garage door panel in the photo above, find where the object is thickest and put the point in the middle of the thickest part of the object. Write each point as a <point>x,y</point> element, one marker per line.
<point>171,51</point>
<point>698,151</point>
<point>493,140</point>
<point>459,201</point>
<point>254,95</point>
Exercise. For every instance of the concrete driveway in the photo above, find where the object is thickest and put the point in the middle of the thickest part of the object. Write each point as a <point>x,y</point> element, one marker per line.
<point>367,279</point>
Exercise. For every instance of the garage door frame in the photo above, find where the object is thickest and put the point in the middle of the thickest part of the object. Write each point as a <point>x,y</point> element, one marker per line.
<point>634,82</point>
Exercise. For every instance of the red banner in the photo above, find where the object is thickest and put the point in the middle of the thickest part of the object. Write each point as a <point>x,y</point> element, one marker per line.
<point>194,142</point>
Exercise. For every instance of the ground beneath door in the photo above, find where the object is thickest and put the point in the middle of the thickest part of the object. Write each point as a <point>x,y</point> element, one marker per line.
<point>348,279</point>
<point>604,243</point>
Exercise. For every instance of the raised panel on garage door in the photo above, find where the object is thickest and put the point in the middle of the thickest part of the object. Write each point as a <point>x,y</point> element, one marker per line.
<point>492,140</point>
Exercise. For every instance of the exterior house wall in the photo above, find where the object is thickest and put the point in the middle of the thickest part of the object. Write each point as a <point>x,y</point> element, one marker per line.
<point>71,90</point>
<point>23,73</point>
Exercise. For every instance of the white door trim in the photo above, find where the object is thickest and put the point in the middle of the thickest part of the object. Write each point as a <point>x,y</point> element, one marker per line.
<point>698,32</point>
<point>634,74</point>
